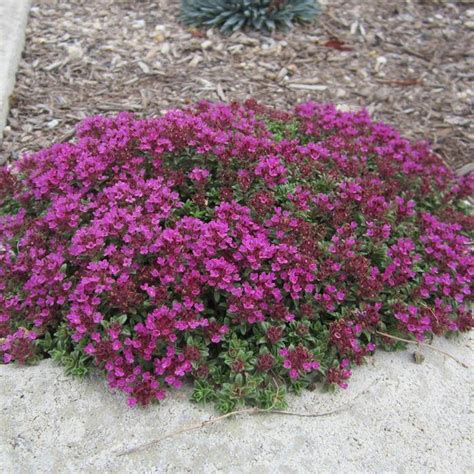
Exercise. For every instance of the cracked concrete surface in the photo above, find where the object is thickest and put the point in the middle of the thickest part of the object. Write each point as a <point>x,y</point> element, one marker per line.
<point>401,417</point>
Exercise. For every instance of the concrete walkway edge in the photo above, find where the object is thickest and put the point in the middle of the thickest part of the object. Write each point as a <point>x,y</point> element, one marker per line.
<point>13,18</point>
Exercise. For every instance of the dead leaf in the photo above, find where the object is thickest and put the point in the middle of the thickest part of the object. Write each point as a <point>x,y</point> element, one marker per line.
<point>334,43</point>
<point>197,33</point>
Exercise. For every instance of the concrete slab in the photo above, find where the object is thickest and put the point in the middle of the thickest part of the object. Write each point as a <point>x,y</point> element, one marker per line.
<point>13,18</point>
<point>400,417</point>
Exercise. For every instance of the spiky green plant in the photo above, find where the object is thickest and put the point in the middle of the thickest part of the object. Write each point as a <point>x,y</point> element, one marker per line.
<point>232,15</point>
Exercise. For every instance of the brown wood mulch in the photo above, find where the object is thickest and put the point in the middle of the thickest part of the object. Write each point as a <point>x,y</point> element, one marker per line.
<point>409,62</point>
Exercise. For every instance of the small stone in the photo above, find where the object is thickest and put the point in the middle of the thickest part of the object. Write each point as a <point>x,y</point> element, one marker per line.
<point>53,123</point>
<point>380,63</point>
<point>74,52</point>
<point>469,24</point>
<point>418,357</point>
<point>206,44</point>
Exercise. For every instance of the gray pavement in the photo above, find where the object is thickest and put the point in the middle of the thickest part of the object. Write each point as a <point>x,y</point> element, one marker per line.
<point>399,417</point>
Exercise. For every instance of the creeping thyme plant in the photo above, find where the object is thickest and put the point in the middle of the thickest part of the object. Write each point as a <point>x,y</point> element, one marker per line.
<point>248,250</point>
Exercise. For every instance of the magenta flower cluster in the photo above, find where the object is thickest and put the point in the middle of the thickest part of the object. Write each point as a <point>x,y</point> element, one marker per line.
<point>149,247</point>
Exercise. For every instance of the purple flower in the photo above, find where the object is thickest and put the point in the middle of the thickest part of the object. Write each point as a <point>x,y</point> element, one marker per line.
<point>199,175</point>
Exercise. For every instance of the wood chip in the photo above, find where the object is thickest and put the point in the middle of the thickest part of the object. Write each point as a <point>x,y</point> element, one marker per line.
<point>307,87</point>
<point>220,93</point>
<point>83,58</point>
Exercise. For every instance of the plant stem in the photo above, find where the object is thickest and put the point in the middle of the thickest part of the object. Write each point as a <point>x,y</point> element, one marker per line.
<point>408,341</point>
<point>248,411</point>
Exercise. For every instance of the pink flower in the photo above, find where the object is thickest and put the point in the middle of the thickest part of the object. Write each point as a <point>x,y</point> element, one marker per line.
<point>198,174</point>
<point>132,401</point>
<point>268,249</point>
<point>298,361</point>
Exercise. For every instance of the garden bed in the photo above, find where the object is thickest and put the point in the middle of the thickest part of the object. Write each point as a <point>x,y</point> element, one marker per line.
<point>395,410</point>
<point>408,64</point>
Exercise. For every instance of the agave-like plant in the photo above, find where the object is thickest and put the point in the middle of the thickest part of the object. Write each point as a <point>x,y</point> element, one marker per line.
<point>232,15</point>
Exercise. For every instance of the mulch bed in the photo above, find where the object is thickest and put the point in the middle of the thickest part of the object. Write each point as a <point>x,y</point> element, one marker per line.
<point>409,62</point>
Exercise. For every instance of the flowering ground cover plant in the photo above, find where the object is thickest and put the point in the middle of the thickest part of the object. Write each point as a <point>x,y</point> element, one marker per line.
<point>250,250</point>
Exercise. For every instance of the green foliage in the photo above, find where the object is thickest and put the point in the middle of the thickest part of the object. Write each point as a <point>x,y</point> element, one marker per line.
<point>9,207</point>
<point>234,379</point>
<point>283,130</point>
<point>265,251</point>
<point>61,349</point>
<point>262,15</point>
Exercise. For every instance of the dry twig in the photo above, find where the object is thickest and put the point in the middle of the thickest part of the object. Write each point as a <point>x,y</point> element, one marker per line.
<point>246,411</point>
<point>408,341</point>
